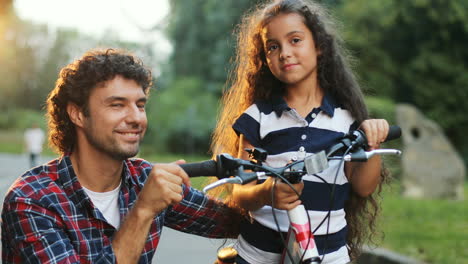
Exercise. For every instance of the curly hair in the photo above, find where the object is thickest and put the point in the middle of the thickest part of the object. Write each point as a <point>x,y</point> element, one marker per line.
<point>78,79</point>
<point>251,80</point>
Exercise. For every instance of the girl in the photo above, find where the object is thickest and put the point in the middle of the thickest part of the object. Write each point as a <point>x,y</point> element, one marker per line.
<point>293,93</point>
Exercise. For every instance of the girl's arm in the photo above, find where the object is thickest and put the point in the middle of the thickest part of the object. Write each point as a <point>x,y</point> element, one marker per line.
<point>364,177</point>
<point>253,196</point>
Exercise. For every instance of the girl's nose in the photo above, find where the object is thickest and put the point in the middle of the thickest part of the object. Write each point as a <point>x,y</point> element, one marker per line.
<point>285,53</point>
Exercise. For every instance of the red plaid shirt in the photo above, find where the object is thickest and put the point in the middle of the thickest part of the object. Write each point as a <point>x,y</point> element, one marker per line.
<point>48,218</point>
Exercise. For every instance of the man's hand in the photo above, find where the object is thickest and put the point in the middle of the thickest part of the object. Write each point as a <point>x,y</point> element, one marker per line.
<point>162,189</point>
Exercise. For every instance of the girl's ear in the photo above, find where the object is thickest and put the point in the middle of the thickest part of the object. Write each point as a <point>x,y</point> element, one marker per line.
<point>75,114</point>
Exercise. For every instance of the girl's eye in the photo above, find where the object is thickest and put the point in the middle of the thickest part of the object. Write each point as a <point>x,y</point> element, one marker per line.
<point>141,106</point>
<point>272,47</point>
<point>296,40</point>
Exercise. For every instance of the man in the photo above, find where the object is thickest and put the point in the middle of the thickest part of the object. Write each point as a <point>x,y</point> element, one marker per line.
<point>94,204</point>
<point>34,139</point>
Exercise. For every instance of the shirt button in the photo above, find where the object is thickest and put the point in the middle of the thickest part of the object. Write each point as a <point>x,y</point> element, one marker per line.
<point>304,137</point>
<point>314,115</point>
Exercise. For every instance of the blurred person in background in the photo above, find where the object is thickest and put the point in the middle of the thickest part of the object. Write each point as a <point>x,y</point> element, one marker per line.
<point>34,139</point>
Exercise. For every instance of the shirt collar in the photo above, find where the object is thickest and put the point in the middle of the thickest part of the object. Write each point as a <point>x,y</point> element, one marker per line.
<point>328,105</point>
<point>72,186</point>
<point>279,105</point>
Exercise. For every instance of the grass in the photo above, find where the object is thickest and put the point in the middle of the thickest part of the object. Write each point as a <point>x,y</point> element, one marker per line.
<point>11,141</point>
<point>435,231</point>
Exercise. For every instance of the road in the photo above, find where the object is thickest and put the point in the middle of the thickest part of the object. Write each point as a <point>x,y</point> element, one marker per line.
<point>174,247</point>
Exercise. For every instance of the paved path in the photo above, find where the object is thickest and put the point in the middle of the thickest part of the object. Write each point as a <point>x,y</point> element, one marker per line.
<point>175,247</point>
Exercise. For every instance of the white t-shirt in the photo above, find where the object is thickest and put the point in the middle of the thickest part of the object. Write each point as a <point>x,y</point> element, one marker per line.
<point>34,138</point>
<point>108,204</point>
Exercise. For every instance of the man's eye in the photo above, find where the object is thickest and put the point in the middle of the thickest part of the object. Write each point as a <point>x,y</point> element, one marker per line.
<point>142,106</point>
<point>116,105</point>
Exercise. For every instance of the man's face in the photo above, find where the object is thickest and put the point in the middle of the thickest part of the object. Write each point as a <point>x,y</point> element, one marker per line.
<point>117,119</point>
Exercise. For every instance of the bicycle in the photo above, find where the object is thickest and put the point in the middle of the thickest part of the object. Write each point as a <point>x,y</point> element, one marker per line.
<point>300,239</point>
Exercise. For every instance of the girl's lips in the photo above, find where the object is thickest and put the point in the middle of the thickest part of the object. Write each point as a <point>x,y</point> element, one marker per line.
<point>288,66</point>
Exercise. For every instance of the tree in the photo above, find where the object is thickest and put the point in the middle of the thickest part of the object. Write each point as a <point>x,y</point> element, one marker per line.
<point>202,35</point>
<point>415,52</point>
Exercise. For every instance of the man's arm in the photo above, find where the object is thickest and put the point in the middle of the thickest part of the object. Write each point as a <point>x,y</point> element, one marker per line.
<point>34,234</point>
<point>201,215</point>
<point>163,188</point>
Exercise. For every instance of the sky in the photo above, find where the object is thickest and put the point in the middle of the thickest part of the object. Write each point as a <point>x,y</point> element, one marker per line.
<point>94,17</point>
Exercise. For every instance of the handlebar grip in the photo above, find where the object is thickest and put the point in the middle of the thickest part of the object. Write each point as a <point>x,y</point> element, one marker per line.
<point>203,168</point>
<point>394,132</point>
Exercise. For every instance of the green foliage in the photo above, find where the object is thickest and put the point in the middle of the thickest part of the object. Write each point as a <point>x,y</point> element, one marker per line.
<point>20,119</point>
<point>181,117</point>
<point>434,231</point>
<point>201,31</point>
<point>13,123</point>
<point>415,52</point>
<point>380,107</point>
<point>31,57</point>
<point>185,108</point>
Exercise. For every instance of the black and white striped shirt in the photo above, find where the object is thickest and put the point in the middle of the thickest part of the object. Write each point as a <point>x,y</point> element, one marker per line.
<point>286,135</point>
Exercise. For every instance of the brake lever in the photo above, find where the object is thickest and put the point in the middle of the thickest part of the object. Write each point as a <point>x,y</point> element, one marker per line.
<point>362,156</point>
<point>234,180</point>
<point>241,178</point>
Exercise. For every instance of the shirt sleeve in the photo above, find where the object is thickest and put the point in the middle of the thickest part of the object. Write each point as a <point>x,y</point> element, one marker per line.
<point>34,234</point>
<point>201,215</point>
<point>248,124</point>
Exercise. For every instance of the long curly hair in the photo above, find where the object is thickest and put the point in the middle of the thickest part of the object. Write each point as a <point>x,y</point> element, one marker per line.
<point>78,79</point>
<point>251,80</point>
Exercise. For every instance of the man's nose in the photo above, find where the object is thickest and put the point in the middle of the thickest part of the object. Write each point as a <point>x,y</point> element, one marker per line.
<point>135,114</point>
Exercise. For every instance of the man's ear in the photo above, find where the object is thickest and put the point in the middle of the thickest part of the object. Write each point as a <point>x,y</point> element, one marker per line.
<point>76,114</point>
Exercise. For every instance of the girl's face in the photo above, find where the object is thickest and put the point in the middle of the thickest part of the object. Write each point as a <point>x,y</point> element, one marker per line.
<point>290,50</point>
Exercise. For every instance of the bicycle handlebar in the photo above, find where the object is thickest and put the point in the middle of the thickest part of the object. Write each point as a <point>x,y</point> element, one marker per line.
<point>203,168</point>
<point>350,148</point>
<point>225,165</point>
<point>394,132</point>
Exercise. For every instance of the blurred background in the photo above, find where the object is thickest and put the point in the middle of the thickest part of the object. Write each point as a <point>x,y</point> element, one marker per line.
<point>405,51</point>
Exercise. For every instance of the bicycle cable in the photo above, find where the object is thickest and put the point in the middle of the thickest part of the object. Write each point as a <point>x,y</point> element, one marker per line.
<point>327,216</point>
<point>279,176</point>
<point>332,198</point>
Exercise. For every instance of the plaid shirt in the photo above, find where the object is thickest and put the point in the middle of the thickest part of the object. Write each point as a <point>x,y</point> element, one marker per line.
<point>48,218</point>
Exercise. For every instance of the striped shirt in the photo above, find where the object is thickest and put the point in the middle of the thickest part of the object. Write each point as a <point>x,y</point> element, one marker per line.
<point>48,218</point>
<point>286,135</point>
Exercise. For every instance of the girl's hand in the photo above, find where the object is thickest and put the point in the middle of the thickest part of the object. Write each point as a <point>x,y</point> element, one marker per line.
<point>376,131</point>
<point>284,197</point>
